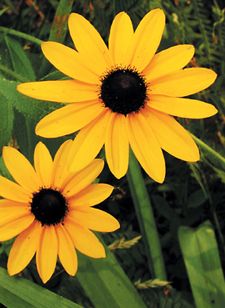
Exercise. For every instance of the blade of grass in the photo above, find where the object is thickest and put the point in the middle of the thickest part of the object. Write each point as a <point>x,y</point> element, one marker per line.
<point>19,292</point>
<point>106,284</point>
<point>202,261</point>
<point>12,74</point>
<point>144,211</point>
<point>58,28</point>
<point>21,63</point>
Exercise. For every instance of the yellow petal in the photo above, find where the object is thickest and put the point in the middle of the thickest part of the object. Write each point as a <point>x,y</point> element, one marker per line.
<point>59,91</point>
<point>146,39</point>
<point>116,145</point>
<point>89,43</point>
<point>92,195</point>
<point>168,61</point>
<point>43,164</point>
<point>46,255</point>
<point>11,210</point>
<point>68,119</point>
<point>14,227</point>
<point>13,191</point>
<point>121,34</point>
<point>69,62</point>
<point>94,219</point>
<point>21,169</point>
<point>83,178</point>
<point>172,137</point>
<point>24,248</point>
<point>66,251</point>
<point>184,82</point>
<point>60,165</point>
<point>146,147</point>
<point>182,107</point>
<point>84,240</point>
<point>88,142</point>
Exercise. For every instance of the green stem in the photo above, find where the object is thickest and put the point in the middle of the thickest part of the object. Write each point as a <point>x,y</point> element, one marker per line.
<point>25,36</point>
<point>59,28</point>
<point>214,156</point>
<point>12,74</point>
<point>146,219</point>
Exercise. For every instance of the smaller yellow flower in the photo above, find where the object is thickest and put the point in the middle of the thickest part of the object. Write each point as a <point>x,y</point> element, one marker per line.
<point>50,209</point>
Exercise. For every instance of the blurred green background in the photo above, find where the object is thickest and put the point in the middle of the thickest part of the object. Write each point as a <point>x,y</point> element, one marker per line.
<point>189,207</point>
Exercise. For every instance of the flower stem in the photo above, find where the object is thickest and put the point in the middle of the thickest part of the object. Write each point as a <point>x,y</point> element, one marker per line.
<point>213,155</point>
<point>58,28</point>
<point>25,36</point>
<point>12,74</point>
<point>146,219</point>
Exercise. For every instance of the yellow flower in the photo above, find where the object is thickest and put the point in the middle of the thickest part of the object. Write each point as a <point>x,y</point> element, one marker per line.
<point>124,94</point>
<point>51,210</point>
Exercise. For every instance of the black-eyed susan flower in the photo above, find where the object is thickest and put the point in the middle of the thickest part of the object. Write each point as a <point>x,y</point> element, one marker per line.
<point>124,94</point>
<point>50,210</point>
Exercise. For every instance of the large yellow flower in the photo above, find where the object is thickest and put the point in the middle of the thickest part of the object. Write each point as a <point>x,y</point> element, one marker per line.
<point>51,210</point>
<point>124,94</point>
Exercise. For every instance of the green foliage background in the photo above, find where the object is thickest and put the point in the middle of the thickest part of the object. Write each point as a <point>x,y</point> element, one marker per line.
<point>192,193</point>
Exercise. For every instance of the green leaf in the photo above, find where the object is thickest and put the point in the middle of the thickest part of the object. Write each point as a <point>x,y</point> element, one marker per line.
<point>106,284</point>
<point>20,61</point>
<point>146,220</point>
<point>31,108</point>
<point>6,120</point>
<point>202,261</point>
<point>197,198</point>
<point>18,292</point>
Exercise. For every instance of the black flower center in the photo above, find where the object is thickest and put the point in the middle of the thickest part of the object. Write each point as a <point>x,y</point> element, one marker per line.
<point>123,90</point>
<point>49,206</point>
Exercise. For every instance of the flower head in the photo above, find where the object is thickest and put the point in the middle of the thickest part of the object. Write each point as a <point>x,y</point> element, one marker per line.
<point>50,210</point>
<point>124,95</point>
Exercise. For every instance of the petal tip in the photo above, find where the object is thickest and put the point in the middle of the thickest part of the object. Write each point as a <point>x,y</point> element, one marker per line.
<point>44,44</point>
<point>160,180</point>
<point>11,269</point>
<point>118,174</point>
<point>191,48</point>
<point>213,74</point>
<point>103,254</point>
<point>44,279</point>
<point>160,12</point>
<point>116,225</point>
<point>195,155</point>
<point>20,88</point>
<point>100,162</point>
<point>37,130</point>
<point>44,47</point>
<point>40,144</point>
<point>25,88</point>
<point>40,131</point>
<point>12,272</point>
<point>212,110</point>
